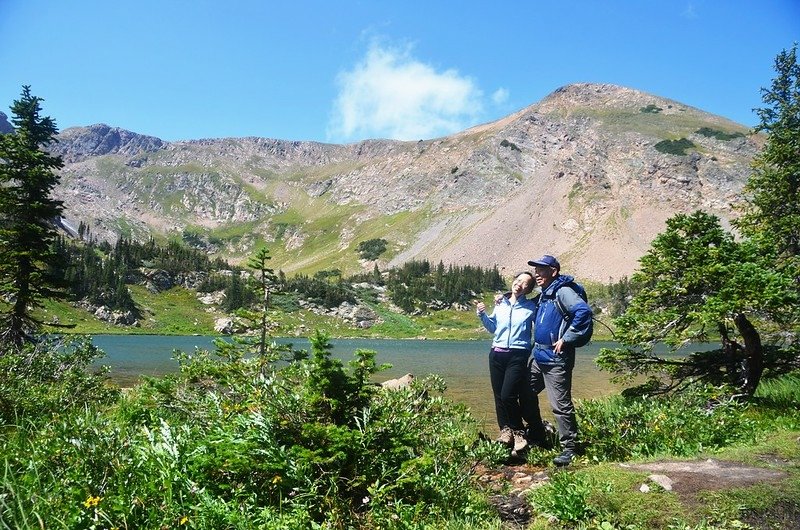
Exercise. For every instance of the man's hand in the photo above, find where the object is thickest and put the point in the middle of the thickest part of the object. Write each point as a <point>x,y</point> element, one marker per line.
<point>480,307</point>
<point>558,345</point>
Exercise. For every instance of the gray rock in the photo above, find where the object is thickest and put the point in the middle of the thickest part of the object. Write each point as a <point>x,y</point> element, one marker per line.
<point>5,125</point>
<point>224,326</point>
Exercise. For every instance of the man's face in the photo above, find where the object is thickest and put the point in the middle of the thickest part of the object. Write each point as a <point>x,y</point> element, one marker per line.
<point>544,275</point>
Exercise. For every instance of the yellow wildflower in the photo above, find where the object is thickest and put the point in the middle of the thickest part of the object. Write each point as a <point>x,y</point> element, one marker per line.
<point>276,479</point>
<point>184,520</point>
<point>92,501</point>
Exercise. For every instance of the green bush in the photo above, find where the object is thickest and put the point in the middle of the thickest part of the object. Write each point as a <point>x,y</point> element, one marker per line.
<point>565,497</point>
<point>50,377</point>
<point>719,135</point>
<point>241,441</point>
<point>512,145</point>
<point>674,147</point>
<point>651,109</point>
<point>371,249</point>
<point>620,428</point>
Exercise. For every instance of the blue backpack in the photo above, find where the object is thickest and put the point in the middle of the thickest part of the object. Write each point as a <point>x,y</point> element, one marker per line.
<point>584,339</point>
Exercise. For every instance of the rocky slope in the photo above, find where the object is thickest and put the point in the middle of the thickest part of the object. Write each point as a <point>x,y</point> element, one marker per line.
<point>577,175</point>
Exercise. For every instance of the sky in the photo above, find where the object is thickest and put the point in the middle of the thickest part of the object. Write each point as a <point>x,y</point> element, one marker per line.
<point>342,71</point>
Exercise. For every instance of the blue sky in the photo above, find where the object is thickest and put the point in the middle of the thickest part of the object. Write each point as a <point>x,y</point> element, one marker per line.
<point>343,70</point>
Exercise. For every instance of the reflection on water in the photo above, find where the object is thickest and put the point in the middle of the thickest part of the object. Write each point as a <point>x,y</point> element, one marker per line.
<point>462,364</point>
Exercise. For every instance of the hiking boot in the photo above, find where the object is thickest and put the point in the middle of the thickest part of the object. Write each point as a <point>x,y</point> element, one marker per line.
<point>565,458</point>
<point>506,437</point>
<point>520,442</point>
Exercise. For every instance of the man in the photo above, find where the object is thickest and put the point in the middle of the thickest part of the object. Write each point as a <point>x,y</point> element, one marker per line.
<point>563,318</point>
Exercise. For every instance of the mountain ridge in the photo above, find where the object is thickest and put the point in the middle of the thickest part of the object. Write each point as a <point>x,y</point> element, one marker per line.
<point>577,175</point>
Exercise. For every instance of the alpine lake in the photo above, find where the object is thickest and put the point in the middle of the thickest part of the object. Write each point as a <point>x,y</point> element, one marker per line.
<point>462,364</point>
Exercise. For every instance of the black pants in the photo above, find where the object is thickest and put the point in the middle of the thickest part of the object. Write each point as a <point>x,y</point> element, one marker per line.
<point>513,397</point>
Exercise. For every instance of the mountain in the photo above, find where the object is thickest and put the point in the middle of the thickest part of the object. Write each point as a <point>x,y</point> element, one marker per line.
<point>590,174</point>
<point>5,125</point>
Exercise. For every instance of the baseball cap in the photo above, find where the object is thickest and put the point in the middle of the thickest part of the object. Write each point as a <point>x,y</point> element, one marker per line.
<point>546,261</point>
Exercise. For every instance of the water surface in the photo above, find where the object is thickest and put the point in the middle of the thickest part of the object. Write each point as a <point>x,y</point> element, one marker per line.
<point>462,364</point>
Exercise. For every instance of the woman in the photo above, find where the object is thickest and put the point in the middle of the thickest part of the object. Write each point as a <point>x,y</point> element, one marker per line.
<point>511,323</point>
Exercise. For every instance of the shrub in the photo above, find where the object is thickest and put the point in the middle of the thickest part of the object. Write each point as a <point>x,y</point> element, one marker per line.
<point>371,249</point>
<point>237,441</point>
<point>565,497</point>
<point>621,428</point>
<point>512,145</point>
<point>50,377</point>
<point>651,109</point>
<point>674,147</point>
<point>719,135</point>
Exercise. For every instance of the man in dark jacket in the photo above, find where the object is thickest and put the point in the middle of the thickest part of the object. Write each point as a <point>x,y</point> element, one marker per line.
<point>563,318</point>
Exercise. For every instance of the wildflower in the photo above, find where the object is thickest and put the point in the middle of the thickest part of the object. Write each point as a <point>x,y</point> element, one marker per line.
<point>276,479</point>
<point>365,500</point>
<point>92,501</point>
<point>184,520</point>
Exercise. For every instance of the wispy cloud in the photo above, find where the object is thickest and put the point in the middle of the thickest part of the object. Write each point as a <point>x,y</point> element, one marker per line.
<point>391,94</point>
<point>689,12</point>
<point>500,96</point>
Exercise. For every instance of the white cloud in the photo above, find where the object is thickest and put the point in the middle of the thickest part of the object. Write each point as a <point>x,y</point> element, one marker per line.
<point>390,94</point>
<point>500,96</point>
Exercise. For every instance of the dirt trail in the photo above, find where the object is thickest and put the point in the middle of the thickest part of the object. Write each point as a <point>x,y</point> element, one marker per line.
<point>511,483</point>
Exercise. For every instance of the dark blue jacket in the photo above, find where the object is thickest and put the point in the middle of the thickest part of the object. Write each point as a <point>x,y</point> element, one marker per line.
<point>551,325</point>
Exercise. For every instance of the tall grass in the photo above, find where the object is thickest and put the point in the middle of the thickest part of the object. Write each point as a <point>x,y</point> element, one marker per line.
<point>781,397</point>
<point>621,428</point>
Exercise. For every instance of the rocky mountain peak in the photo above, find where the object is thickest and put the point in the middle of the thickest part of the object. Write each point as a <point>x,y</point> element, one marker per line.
<point>5,125</point>
<point>79,143</point>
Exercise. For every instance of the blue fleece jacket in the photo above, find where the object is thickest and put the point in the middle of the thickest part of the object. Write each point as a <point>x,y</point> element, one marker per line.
<point>551,325</point>
<point>511,323</point>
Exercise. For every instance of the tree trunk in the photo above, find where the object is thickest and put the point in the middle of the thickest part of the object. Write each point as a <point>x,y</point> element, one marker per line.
<point>754,354</point>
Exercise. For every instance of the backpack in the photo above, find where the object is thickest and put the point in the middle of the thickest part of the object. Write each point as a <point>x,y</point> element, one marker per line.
<point>584,339</point>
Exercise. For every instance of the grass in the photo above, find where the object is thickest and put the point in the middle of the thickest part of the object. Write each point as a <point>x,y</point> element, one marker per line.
<point>179,312</point>
<point>591,494</point>
<point>186,315</point>
<point>173,312</point>
<point>658,125</point>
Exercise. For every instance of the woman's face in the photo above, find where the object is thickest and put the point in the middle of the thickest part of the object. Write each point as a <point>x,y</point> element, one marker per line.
<point>523,284</point>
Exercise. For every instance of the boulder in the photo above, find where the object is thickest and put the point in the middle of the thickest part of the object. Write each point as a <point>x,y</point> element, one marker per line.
<point>399,383</point>
<point>224,326</point>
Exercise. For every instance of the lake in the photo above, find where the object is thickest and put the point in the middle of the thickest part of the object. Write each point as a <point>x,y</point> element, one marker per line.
<point>462,364</point>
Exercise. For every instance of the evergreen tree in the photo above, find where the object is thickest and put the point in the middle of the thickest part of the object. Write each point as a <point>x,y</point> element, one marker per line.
<point>772,214</point>
<point>697,278</point>
<point>266,282</point>
<point>234,293</point>
<point>27,212</point>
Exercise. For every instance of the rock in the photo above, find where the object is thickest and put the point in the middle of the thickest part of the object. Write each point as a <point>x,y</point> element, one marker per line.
<point>118,318</point>
<point>156,280</point>
<point>223,326</point>
<point>644,488</point>
<point>103,313</point>
<point>399,383</point>
<point>215,298</point>
<point>5,125</point>
<point>663,481</point>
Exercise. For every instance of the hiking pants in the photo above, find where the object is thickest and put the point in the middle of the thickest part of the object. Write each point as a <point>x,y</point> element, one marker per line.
<point>557,380</point>
<point>512,395</point>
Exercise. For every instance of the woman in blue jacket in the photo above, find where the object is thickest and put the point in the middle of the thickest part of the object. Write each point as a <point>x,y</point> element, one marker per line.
<point>511,322</point>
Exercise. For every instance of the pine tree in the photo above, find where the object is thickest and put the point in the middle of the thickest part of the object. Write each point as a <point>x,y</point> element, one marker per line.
<point>772,215</point>
<point>27,211</point>
<point>267,280</point>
